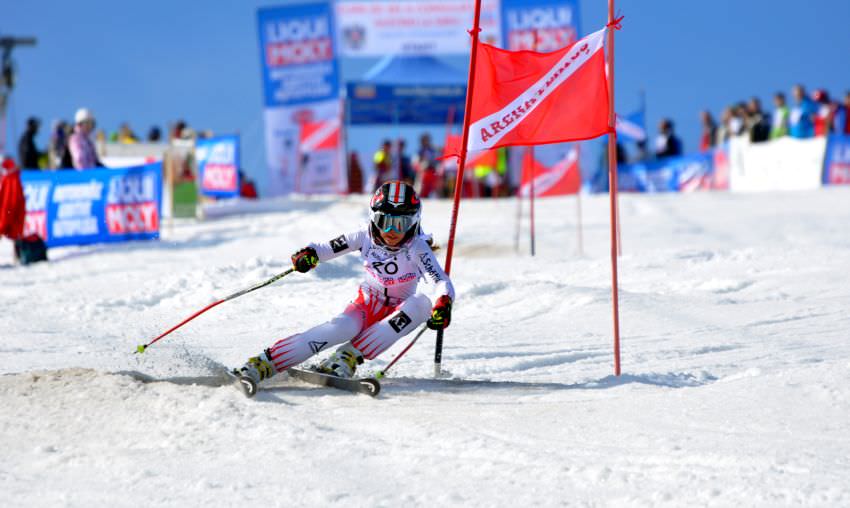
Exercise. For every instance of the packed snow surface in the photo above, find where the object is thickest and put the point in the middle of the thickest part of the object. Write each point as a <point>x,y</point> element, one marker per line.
<point>735,358</point>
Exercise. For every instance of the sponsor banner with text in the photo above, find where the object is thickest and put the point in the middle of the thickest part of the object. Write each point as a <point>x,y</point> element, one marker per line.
<point>432,27</point>
<point>93,206</point>
<point>836,164</point>
<point>218,166</point>
<point>301,83</point>
<point>539,25</point>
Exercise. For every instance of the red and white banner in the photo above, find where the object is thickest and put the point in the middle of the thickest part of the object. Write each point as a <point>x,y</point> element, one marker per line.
<point>558,180</point>
<point>528,98</point>
<point>320,168</point>
<point>320,135</point>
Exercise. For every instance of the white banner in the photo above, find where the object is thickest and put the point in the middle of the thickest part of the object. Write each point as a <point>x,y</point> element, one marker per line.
<point>433,27</point>
<point>782,164</point>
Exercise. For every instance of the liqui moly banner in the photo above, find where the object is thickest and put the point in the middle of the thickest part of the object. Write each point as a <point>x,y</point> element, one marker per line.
<point>93,206</point>
<point>301,83</point>
<point>836,164</point>
<point>550,25</point>
<point>218,166</point>
<point>434,27</point>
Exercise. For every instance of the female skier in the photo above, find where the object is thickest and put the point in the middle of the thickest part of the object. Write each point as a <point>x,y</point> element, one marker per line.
<point>395,255</point>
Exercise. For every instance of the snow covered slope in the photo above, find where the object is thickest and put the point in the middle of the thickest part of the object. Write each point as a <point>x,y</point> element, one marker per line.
<point>735,386</point>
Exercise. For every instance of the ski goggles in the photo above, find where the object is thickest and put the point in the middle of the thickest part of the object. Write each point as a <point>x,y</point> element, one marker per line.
<point>399,223</point>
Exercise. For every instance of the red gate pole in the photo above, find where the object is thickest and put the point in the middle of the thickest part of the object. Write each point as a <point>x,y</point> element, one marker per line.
<point>470,87</point>
<point>612,193</point>
<point>531,193</point>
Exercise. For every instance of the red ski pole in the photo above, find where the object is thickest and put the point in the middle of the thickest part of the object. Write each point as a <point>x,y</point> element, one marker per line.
<point>143,347</point>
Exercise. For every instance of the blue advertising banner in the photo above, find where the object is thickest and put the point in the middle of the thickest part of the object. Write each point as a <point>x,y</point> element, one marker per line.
<point>297,51</point>
<point>673,174</point>
<point>552,24</point>
<point>93,206</point>
<point>836,163</point>
<point>403,104</point>
<point>218,166</point>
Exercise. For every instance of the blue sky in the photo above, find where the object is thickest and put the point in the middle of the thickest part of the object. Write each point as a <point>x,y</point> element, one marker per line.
<point>150,63</point>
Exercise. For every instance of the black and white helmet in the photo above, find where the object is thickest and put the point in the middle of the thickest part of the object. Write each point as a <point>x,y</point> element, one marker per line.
<point>395,206</point>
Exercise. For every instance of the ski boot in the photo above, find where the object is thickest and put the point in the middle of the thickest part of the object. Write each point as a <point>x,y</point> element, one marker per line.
<point>342,363</point>
<point>255,370</point>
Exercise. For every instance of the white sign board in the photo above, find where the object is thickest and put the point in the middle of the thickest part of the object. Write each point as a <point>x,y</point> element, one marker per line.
<point>432,27</point>
<point>781,164</point>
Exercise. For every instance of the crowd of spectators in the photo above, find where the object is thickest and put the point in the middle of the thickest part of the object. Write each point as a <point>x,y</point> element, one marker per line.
<point>74,145</point>
<point>428,172</point>
<point>808,116</point>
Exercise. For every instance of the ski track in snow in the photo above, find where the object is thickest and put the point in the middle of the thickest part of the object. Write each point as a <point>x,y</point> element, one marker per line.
<point>735,359</point>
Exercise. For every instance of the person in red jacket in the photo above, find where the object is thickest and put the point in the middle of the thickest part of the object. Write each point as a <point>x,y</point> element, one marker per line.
<point>12,201</point>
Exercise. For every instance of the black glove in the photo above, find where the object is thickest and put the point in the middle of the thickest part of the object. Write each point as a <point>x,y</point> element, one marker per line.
<point>441,313</point>
<point>305,259</point>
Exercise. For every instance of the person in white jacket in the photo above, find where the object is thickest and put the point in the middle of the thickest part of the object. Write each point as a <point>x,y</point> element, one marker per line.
<point>395,254</point>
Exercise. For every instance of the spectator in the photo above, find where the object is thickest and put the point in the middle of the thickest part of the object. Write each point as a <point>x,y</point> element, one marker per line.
<point>779,125</point>
<point>801,117</point>
<point>58,144</point>
<point>28,154</point>
<point>667,144</point>
<point>757,124</point>
<point>80,146</point>
<point>489,169</point>
<point>406,172</point>
<point>426,166</point>
<point>738,122</point>
<point>383,164</point>
<point>724,131</point>
<point>154,135</point>
<point>126,135</point>
<point>708,138</point>
<point>247,189</point>
<point>12,201</point>
<point>355,174</point>
<point>177,132</point>
<point>825,112</point>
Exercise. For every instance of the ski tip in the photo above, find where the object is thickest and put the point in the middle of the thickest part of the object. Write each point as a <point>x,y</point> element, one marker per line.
<point>141,348</point>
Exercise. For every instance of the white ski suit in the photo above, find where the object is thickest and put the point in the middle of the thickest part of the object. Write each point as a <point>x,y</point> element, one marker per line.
<point>387,306</point>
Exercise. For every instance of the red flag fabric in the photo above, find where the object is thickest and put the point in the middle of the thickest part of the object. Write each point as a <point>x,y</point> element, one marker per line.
<point>561,179</point>
<point>452,146</point>
<point>12,203</point>
<point>528,98</point>
<point>320,135</point>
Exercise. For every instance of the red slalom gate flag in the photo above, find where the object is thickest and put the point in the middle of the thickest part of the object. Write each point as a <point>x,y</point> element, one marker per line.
<point>528,98</point>
<point>561,179</point>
